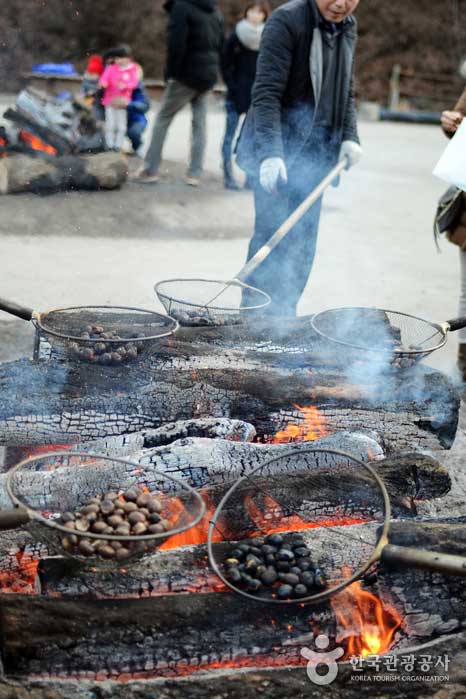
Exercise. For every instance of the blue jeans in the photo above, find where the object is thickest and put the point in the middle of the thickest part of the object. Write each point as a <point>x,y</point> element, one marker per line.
<point>230,130</point>
<point>134,134</point>
<point>285,272</point>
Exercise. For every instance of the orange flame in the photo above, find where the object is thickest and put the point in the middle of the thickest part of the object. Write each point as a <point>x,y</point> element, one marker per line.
<point>36,143</point>
<point>275,519</point>
<point>313,427</point>
<point>365,624</point>
<point>177,515</point>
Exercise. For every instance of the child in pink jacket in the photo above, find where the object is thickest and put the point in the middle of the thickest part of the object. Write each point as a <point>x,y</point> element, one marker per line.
<point>119,79</point>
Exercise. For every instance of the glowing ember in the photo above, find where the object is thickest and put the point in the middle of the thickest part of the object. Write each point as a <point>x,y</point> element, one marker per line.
<point>21,576</point>
<point>366,626</point>
<point>273,518</point>
<point>178,515</point>
<point>313,427</point>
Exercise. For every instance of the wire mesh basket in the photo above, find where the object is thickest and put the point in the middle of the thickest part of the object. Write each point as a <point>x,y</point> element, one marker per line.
<point>104,335</point>
<point>101,510</point>
<point>298,528</point>
<point>208,302</point>
<point>395,339</point>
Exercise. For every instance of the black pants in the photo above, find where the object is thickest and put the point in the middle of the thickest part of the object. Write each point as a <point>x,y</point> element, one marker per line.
<point>285,272</point>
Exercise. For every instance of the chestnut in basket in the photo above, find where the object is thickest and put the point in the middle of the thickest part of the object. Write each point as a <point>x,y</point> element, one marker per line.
<point>279,564</point>
<point>127,513</point>
<point>103,352</point>
<point>202,317</point>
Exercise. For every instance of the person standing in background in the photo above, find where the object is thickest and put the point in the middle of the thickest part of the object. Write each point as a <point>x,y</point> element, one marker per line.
<point>239,71</point>
<point>118,81</point>
<point>302,120</point>
<point>137,120</point>
<point>195,39</point>
<point>450,122</point>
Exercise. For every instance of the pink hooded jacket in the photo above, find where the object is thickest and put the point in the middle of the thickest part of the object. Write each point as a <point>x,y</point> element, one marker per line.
<point>119,81</point>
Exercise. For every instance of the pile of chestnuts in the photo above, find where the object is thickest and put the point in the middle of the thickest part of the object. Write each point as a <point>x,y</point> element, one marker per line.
<point>202,317</point>
<point>95,347</point>
<point>277,564</point>
<point>126,513</point>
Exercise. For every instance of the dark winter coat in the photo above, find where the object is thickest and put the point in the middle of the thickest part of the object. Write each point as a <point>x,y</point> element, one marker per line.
<point>288,87</point>
<point>195,38</point>
<point>239,72</point>
<point>139,105</point>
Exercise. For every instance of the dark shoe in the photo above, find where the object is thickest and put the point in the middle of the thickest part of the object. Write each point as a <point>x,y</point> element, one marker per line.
<point>229,181</point>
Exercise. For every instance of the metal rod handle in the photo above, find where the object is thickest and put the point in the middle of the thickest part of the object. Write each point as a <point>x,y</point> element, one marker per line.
<point>456,324</point>
<point>291,221</point>
<point>13,519</point>
<point>426,560</point>
<point>15,309</point>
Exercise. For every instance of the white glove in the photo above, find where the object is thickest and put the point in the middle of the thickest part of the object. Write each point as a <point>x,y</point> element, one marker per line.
<point>272,170</point>
<point>352,151</point>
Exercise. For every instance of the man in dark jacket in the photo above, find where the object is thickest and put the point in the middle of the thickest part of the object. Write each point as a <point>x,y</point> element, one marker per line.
<point>195,37</point>
<point>302,120</point>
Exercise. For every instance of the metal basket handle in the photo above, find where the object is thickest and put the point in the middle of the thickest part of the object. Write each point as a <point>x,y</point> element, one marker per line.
<point>15,309</point>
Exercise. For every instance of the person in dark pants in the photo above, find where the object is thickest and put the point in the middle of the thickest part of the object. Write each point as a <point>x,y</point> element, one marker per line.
<point>195,41</point>
<point>302,120</point>
<point>137,120</point>
<point>239,70</point>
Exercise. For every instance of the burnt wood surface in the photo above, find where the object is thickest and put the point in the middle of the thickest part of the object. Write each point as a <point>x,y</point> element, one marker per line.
<point>249,683</point>
<point>204,462</point>
<point>256,373</point>
<point>24,173</point>
<point>156,635</point>
<point>187,569</point>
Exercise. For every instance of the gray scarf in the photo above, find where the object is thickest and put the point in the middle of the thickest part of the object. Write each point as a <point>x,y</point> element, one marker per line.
<point>249,34</point>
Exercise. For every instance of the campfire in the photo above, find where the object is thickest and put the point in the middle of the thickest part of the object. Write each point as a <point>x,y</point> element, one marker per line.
<point>313,427</point>
<point>191,411</point>
<point>366,626</point>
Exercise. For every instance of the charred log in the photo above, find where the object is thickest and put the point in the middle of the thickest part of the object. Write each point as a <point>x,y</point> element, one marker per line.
<point>55,402</point>
<point>22,173</point>
<point>205,462</point>
<point>165,633</point>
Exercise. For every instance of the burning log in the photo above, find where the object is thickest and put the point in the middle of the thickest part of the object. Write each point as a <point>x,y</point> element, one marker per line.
<point>22,173</point>
<point>402,481</point>
<point>160,633</point>
<point>274,682</point>
<point>206,462</point>
<point>55,402</point>
<point>61,145</point>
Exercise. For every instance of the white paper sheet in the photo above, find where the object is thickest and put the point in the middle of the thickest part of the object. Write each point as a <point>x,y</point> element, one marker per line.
<point>452,165</point>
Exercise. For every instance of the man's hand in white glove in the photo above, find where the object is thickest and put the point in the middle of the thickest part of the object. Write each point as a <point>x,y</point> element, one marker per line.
<point>272,170</point>
<point>352,151</point>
